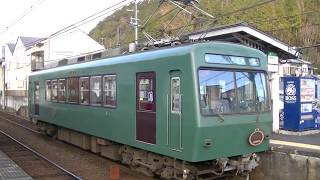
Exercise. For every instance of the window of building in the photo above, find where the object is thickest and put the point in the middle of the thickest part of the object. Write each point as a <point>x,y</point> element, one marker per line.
<point>54,90</point>
<point>95,90</point>
<point>61,90</point>
<point>293,71</point>
<point>286,70</point>
<point>97,55</point>
<point>81,59</point>
<point>110,90</point>
<point>48,90</point>
<point>37,60</point>
<point>84,90</point>
<point>73,90</point>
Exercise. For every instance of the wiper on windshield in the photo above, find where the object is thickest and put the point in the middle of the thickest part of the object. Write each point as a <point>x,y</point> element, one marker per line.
<point>220,115</point>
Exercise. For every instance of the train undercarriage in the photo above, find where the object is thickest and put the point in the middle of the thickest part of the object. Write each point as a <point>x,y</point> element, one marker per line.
<point>152,164</point>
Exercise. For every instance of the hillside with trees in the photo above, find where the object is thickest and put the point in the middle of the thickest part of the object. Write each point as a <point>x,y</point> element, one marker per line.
<point>296,22</point>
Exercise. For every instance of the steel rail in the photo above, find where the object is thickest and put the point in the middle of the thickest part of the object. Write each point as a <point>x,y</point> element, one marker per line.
<point>14,115</point>
<point>25,127</point>
<point>41,156</point>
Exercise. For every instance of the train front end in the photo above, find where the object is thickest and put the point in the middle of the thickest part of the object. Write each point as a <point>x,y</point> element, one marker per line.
<point>234,108</point>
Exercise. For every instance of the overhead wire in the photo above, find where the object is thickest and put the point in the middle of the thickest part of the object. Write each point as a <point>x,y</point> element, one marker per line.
<point>86,20</point>
<point>91,17</point>
<point>81,22</point>
<point>309,46</point>
<point>22,15</point>
<point>214,20</point>
<point>280,29</point>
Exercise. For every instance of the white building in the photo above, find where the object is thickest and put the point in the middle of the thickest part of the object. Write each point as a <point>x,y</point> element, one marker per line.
<point>30,54</point>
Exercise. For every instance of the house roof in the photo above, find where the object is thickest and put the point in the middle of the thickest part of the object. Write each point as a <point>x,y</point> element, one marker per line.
<point>11,47</point>
<point>245,34</point>
<point>29,41</point>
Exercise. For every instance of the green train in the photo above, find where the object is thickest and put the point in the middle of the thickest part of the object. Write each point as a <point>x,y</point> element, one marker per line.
<point>193,111</point>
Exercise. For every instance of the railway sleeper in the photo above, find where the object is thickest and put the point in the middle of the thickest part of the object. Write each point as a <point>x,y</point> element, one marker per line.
<point>149,163</point>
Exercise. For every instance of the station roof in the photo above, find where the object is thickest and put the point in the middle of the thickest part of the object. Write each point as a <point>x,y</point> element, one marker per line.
<point>245,34</point>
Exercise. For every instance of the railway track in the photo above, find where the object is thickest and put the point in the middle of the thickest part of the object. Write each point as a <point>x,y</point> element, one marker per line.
<point>31,161</point>
<point>25,125</point>
<point>81,162</point>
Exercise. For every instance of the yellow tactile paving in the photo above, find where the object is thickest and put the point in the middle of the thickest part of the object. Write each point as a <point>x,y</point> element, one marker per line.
<point>301,145</point>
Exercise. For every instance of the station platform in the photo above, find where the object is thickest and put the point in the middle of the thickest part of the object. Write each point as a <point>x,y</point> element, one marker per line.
<point>9,170</point>
<point>306,144</point>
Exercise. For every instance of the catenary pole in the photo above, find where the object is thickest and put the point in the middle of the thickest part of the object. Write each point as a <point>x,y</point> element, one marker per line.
<point>136,22</point>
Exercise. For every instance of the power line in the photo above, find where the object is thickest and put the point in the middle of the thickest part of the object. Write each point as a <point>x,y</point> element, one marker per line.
<point>90,18</point>
<point>307,47</point>
<point>282,17</point>
<point>291,27</point>
<point>81,22</point>
<point>239,10</point>
<point>24,14</point>
<point>223,15</point>
<point>245,8</point>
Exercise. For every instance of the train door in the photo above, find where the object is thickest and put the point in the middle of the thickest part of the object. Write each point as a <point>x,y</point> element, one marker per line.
<point>175,115</point>
<point>30,98</point>
<point>146,107</point>
<point>36,97</point>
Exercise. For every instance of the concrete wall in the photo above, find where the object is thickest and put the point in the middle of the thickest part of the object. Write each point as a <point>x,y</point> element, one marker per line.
<point>286,166</point>
<point>15,102</point>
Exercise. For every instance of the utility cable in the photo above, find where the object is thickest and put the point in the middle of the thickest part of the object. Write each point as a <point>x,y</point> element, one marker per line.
<point>21,16</point>
<point>90,18</point>
<point>76,25</point>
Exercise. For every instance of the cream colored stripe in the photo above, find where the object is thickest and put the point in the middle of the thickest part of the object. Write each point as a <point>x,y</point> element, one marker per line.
<point>301,145</point>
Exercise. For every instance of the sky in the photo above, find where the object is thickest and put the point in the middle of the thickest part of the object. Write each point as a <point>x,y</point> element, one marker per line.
<point>45,17</point>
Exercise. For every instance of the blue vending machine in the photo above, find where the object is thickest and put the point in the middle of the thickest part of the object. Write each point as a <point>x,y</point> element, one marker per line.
<point>299,96</point>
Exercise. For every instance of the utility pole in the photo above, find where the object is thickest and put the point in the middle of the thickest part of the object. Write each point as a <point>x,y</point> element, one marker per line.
<point>135,21</point>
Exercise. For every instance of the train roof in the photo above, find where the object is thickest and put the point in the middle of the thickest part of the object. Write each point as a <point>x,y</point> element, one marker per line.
<point>148,55</point>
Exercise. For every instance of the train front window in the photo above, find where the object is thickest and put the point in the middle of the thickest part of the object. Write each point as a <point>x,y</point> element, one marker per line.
<point>227,92</point>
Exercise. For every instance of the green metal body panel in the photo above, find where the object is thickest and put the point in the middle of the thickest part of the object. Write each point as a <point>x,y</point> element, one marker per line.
<point>230,137</point>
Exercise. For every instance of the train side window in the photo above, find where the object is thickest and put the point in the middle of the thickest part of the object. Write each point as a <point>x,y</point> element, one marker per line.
<point>95,90</point>
<point>54,90</point>
<point>73,90</point>
<point>62,90</point>
<point>146,94</point>
<point>110,90</point>
<point>48,90</point>
<point>84,90</point>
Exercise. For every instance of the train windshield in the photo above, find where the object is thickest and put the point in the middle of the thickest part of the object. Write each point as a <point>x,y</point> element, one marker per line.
<point>229,91</point>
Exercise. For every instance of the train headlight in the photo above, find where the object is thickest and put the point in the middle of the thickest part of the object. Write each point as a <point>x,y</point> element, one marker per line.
<point>256,137</point>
